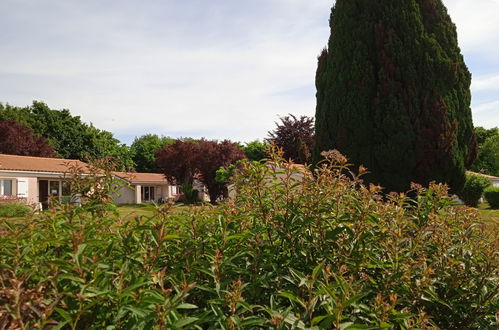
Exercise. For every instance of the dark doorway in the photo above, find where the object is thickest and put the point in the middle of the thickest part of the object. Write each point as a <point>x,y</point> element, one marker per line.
<point>43,192</point>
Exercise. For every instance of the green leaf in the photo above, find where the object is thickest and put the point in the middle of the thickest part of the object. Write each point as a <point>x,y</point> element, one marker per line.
<point>65,315</point>
<point>317,269</point>
<point>60,325</point>
<point>434,298</point>
<point>345,325</point>
<point>318,319</point>
<point>71,278</point>
<point>292,297</point>
<point>79,252</point>
<point>137,311</point>
<point>184,321</point>
<point>353,300</point>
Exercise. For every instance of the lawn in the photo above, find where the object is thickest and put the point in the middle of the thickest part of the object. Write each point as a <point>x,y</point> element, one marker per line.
<point>125,211</point>
<point>137,210</point>
<point>488,214</point>
<point>491,219</point>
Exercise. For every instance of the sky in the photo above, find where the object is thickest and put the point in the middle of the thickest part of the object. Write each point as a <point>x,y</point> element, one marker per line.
<point>194,68</point>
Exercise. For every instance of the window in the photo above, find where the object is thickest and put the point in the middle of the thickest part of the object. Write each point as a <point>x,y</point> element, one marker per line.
<point>60,190</point>
<point>65,192</point>
<point>5,187</point>
<point>147,193</point>
<point>54,188</point>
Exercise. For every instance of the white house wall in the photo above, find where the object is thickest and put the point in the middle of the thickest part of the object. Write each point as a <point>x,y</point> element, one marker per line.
<point>31,185</point>
<point>33,193</point>
<point>126,195</point>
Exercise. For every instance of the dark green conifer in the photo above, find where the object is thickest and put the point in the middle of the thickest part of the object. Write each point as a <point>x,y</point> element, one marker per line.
<point>393,93</point>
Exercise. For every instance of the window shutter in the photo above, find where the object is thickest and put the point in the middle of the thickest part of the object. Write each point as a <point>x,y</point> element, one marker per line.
<point>22,187</point>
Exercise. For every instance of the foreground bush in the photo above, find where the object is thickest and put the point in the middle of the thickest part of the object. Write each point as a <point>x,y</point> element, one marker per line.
<point>492,197</point>
<point>14,210</point>
<point>291,251</point>
<point>473,189</point>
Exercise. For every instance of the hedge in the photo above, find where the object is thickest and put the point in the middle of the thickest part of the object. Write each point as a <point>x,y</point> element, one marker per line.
<point>492,197</point>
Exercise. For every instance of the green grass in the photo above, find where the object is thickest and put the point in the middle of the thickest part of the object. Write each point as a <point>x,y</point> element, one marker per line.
<point>125,211</point>
<point>137,210</point>
<point>489,214</point>
<point>491,220</point>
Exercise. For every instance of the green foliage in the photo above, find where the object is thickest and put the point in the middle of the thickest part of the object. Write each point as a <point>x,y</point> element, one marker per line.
<point>488,155</point>
<point>492,197</point>
<point>189,194</point>
<point>11,210</point>
<point>255,150</point>
<point>393,93</point>
<point>291,251</point>
<point>224,174</point>
<point>482,134</point>
<point>473,189</point>
<point>67,134</point>
<point>143,150</point>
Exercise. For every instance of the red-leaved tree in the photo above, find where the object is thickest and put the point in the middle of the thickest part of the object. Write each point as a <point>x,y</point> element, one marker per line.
<point>16,139</point>
<point>214,155</point>
<point>178,161</point>
<point>183,160</point>
<point>296,137</point>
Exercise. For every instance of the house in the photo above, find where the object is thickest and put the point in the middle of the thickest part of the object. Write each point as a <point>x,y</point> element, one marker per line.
<point>298,173</point>
<point>144,188</point>
<point>37,179</point>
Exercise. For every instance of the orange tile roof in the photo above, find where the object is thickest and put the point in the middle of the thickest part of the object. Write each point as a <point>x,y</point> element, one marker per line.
<point>41,164</point>
<point>142,177</point>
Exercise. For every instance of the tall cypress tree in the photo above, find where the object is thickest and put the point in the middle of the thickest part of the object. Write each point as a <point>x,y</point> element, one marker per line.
<point>393,93</point>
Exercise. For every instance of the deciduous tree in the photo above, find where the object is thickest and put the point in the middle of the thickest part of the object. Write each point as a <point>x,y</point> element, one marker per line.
<point>143,151</point>
<point>295,136</point>
<point>214,155</point>
<point>182,161</point>
<point>178,161</point>
<point>68,135</point>
<point>255,150</point>
<point>488,157</point>
<point>17,139</point>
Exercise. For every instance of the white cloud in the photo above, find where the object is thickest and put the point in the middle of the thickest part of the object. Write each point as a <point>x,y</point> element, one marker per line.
<point>486,114</point>
<point>490,83</point>
<point>487,108</point>
<point>476,22</point>
<point>208,77</point>
<point>223,69</point>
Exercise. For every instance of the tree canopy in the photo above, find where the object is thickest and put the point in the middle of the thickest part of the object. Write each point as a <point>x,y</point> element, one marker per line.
<point>68,135</point>
<point>178,161</point>
<point>185,160</point>
<point>255,150</point>
<point>488,151</point>
<point>17,139</point>
<point>212,156</point>
<point>393,93</point>
<point>143,151</point>
<point>295,136</point>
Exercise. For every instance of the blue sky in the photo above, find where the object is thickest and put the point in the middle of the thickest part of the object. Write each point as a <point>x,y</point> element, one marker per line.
<point>216,69</point>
